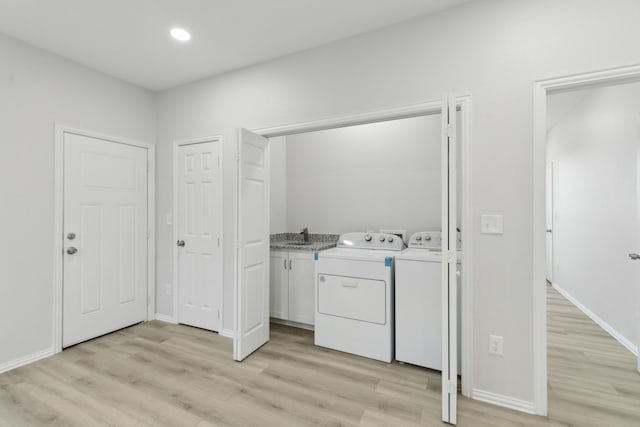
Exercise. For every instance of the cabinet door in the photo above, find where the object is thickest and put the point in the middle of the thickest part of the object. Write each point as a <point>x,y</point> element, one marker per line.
<point>279,285</point>
<point>301,288</point>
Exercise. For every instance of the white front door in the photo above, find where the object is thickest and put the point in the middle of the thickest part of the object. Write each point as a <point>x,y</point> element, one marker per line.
<point>105,237</point>
<point>252,287</point>
<point>449,262</point>
<point>199,224</point>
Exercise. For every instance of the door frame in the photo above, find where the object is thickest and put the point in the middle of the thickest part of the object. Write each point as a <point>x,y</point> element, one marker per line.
<point>463,102</point>
<point>541,88</point>
<point>175,288</point>
<point>58,219</point>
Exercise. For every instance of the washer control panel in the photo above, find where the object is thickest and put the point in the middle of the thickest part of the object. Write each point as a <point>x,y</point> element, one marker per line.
<point>358,240</point>
<point>426,240</point>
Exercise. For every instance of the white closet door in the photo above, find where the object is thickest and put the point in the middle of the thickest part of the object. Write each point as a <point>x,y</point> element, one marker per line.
<point>252,288</point>
<point>105,236</point>
<point>199,230</point>
<point>449,263</point>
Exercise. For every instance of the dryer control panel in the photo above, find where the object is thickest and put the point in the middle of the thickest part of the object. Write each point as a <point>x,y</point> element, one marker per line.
<point>388,242</point>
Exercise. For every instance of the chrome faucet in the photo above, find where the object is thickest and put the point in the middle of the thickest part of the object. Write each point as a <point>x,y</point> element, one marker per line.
<point>305,234</point>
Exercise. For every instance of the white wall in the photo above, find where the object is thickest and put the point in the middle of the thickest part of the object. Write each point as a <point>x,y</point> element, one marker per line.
<point>38,89</point>
<point>594,149</point>
<point>278,196</point>
<point>490,49</point>
<point>367,177</point>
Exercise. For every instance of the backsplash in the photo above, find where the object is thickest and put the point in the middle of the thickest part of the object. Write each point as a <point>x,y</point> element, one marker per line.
<point>284,237</point>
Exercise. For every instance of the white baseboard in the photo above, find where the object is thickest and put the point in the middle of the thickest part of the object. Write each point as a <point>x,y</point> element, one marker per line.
<point>26,360</point>
<point>229,333</point>
<point>504,401</point>
<point>604,325</point>
<point>167,319</point>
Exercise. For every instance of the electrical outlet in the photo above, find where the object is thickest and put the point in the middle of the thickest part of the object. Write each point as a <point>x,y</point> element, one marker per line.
<point>495,345</point>
<point>167,289</point>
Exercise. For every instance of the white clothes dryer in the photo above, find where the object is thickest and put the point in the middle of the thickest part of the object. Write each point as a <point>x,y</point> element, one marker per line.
<point>354,295</point>
<point>418,303</point>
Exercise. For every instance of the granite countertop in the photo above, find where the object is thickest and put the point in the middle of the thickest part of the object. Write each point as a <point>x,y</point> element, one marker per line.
<point>294,241</point>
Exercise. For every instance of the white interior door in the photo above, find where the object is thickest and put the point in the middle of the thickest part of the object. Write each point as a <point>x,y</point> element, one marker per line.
<point>636,258</point>
<point>199,222</point>
<point>252,287</point>
<point>105,237</point>
<point>549,220</point>
<point>449,262</point>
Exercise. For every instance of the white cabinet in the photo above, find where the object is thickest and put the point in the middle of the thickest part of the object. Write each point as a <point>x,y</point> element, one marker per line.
<point>292,286</point>
<point>279,285</point>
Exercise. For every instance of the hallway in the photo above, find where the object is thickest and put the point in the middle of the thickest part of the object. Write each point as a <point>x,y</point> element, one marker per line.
<point>592,378</point>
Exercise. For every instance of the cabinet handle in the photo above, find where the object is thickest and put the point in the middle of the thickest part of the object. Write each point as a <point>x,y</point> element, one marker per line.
<point>289,264</point>
<point>285,264</point>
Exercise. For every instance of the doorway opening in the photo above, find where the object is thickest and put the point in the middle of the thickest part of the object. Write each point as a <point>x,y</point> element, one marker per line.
<point>586,293</point>
<point>254,190</point>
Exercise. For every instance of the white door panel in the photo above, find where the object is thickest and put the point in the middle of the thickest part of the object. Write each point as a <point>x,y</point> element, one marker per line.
<point>449,262</point>
<point>637,278</point>
<point>199,227</point>
<point>252,292</point>
<point>549,219</point>
<point>105,206</point>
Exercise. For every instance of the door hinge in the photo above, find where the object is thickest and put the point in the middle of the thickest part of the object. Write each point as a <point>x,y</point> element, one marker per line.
<point>148,234</point>
<point>238,156</point>
<point>218,242</point>
<point>451,387</point>
<point>218,314</point>
<point>451,130</point>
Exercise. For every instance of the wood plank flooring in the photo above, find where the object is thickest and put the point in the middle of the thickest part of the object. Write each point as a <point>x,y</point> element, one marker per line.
<point>592,378</point>
<point>157,374</point>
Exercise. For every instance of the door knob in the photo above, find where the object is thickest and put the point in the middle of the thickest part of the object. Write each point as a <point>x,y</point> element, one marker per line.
<point>549,230</point>
<point>634,256</point>
<point>71,250</point>
<point>71,236</point>
<point>180,243</point>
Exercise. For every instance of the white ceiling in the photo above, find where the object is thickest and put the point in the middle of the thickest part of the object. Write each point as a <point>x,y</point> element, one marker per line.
<point>130,39</point>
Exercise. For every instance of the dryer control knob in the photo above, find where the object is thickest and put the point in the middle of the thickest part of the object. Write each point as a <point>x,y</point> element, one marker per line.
<point>390,239</point>
<point>381,239</point>
<point>367,237</point>
<point>427,237</point>
<point>418,238</point>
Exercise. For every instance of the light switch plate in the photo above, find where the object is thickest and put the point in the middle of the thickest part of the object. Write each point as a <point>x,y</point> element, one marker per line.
<point>169,219</point>
<point>491,224</point>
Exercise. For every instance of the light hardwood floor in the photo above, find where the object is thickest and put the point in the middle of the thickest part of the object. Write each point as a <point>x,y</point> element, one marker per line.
<point>157,374</point>
<point>592,378</point>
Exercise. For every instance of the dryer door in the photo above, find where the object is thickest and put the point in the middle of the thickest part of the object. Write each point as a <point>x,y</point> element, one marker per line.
<point>352,298</point>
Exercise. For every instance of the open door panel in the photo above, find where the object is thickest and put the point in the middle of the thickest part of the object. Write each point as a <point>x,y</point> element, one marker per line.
<point>449,262</point>
<point>252,283</point>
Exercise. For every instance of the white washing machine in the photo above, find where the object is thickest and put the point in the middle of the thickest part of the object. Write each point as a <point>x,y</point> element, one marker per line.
<point>354,295</point>
<point>418,304</point>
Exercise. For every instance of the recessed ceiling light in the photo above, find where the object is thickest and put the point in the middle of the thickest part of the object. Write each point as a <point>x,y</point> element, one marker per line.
<point>180,34</point>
